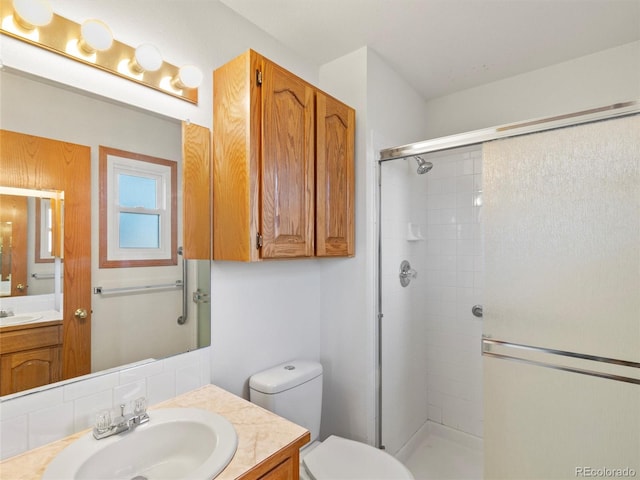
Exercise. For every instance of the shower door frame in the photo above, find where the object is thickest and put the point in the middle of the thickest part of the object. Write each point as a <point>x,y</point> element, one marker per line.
<point>450,142</point>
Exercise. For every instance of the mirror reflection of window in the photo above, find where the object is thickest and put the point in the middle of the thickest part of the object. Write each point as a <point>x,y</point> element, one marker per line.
<point>139,215</point>
<point>137,209</point>
<point>44,231</point>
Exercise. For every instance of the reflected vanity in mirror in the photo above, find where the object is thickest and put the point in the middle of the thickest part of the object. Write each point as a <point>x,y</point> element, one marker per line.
<point>107,317</point>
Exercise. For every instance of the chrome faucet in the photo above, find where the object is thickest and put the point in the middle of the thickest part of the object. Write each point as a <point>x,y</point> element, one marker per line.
<point>105,427</point>
<point>6,313</point>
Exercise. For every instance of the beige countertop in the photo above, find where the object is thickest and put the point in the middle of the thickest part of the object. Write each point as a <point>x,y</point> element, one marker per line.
<point>261,435</point>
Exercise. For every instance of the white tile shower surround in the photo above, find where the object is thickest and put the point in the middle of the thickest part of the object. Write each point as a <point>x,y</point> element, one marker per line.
<point>430,322</point>
<point>437,452</point>
<point>29,421</point>
<point>453,267</point>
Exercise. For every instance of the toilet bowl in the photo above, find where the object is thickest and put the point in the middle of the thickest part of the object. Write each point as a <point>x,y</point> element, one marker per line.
<point>339,458</point>
<point>294,391</point>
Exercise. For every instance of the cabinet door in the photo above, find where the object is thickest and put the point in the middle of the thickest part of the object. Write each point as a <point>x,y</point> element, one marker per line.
<point>29,369</point>
<point>287,167</point>
<point>335,186</point>
<point>284,471</point>
<point>196,191</point>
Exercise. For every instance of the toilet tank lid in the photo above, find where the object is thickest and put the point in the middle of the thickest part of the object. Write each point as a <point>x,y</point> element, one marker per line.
<point>285,376</point>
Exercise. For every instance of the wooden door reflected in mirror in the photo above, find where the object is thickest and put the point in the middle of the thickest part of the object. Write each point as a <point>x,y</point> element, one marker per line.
<point>43,164</point>
<point>13,245</point>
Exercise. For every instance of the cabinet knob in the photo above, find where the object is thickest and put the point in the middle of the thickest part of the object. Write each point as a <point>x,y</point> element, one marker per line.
<point>21,287</point>
<point>81,313</point>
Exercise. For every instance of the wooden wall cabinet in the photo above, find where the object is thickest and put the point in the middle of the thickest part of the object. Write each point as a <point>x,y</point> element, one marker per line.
<point>283,174</point>
<point>31,356</point>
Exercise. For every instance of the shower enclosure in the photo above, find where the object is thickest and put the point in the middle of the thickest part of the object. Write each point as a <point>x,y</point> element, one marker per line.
<point>431,278</point>
<point>523,231</point>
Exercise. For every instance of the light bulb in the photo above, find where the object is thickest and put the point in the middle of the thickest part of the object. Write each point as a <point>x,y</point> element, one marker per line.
<point>96,36</point>
<point>189,76</point>
<point>29,14</point>
<point>147,58</point>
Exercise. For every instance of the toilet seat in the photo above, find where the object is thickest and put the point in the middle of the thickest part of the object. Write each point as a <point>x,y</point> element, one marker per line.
<point>340,458</point>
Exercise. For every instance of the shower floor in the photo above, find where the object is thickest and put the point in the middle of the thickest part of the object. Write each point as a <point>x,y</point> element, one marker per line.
<point>439,452</point>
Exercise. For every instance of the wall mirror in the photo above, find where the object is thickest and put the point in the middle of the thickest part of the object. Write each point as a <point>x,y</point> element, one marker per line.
<point>136,313</point>
<point>30,236</point>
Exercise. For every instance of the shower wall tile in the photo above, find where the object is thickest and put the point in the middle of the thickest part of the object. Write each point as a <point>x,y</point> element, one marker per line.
<point>452,215</point>
<point>432,366</point>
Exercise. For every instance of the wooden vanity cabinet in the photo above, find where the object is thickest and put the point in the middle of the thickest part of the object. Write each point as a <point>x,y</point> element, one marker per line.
<point>283,162</point>
<point>283,465</point>
<point>31,356</point>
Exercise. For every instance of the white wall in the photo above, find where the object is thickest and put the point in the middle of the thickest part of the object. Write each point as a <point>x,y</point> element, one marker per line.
<point>386,108</point>
<point>262,314</point>
<point>345,334</point>
<point>596,80</point>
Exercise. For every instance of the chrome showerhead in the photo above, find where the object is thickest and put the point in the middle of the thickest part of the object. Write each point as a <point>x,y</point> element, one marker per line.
<point>423,165</point>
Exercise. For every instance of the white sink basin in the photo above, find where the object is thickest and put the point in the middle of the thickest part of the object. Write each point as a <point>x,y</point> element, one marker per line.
<point>176,443</point>
<point>18,319</point>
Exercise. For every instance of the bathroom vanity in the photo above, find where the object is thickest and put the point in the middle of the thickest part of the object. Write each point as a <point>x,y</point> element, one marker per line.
<point>31,355</point>
<point>268,445</point>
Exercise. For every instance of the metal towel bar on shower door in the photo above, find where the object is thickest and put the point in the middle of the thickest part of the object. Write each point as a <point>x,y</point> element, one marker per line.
<point>627,371</point>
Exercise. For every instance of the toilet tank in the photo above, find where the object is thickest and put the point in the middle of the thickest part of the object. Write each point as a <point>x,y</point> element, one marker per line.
<point>292,390</point>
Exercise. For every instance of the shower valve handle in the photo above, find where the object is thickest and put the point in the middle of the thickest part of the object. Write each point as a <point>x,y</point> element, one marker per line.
<point>406,273</point>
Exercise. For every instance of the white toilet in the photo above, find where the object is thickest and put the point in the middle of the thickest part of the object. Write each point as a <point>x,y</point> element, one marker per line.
<point>293,390</point>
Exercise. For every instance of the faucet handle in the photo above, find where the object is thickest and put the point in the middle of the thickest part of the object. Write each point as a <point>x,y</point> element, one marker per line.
<point>103,421</point>
<point>140,406</point>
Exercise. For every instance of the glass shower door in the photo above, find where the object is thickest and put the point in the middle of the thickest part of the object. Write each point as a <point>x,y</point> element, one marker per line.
<point>562,260</point>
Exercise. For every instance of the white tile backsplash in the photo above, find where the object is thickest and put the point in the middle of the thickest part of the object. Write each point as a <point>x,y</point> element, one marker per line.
<point>47,424</point>
<point>23,405</point>
<point>85,408</point>
<point>126,394</point>
<point>90,386</point>
<point>161,387</point>
<point>30,420</point>
<point>15,436</point>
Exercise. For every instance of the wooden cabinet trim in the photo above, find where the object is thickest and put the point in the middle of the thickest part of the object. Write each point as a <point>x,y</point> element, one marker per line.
<point>291,451</point>
<point>21,340</point>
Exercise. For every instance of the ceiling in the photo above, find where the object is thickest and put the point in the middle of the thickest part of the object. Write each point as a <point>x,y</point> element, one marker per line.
<point>443,46</point>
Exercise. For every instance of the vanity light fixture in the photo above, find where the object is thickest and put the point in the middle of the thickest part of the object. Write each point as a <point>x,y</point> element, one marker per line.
<point>92,43</point>
<point>147,58</point>
<point>95,37</point>
<point>26,17</point>
<point>189,76</point>
<point>30,14</point>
